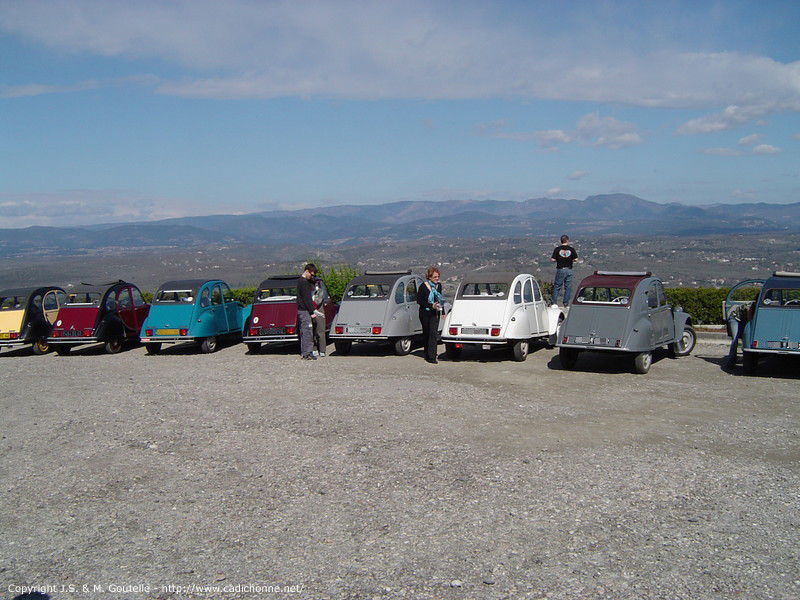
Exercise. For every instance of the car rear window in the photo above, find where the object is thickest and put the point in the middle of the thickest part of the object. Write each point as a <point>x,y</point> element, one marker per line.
<point>12,302</point>
<point>614,296</point>
<point>781,297</point>
<point>85,298</point>
<point>174,296</point>
<point>484,290</point>
<point>368,291</point>
<point>277,293</point>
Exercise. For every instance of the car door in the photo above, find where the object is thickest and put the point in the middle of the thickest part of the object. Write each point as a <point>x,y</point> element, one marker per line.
<point>125,309</point>
<point>412,288</point>
<point>660,314</point>
<point>51,303</point>
<point>232,308</point>
<point>540,306</point>
<point>218,309</point>
<point>529,305</point>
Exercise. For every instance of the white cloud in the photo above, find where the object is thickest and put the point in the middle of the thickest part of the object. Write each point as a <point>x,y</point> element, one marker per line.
<point>722,152</point>
<point>751,140</point>
<point>412,49</point>
<point>594,130</point>
<point>766,149</point>
<point>576,175</point>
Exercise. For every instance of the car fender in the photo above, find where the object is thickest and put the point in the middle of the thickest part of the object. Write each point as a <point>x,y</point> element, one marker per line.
<point>399,323</point>
<point>204,326</point>
<point>638,340</point>
<point>518,326</point>
<point>681,320</point>
<point>554,315</point>
<point>111,327</point>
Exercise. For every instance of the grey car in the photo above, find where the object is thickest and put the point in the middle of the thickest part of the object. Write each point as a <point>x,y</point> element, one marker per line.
<point>624,312</point>
<point>379,306</point>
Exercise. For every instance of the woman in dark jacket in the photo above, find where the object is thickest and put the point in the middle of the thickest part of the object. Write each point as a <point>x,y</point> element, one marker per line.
<point>430,300</point>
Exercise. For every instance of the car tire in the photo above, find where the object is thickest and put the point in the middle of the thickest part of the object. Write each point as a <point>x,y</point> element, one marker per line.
<point>209,345</point>
<point>402,346</point>
<point>343,348</point>
<point>642,362</point>
<point>520,350</point>
<point>62,350</point>
<point>41,346</point>
<point>684,345</point>
<point>153,347</point>
<point>114,346</point>
<point>253,347</point>
<point>750,362</point>
<point>568,357</point>
<point>452,351</point>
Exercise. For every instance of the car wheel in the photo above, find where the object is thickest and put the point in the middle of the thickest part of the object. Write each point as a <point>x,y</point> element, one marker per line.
<point>452,351</point>
<point>41,346</point>
<point>750,362</point>
<point>62,350</point>
<point>402,346</point>
<point>343,347</point>
<point>114,346</point>
<point>685,344</point>
<point>208,345</point>
<point>253,347</point>
<point>520,349</point>
<point>642,362</point>
<point>153,348</point>
<point>568,357</point>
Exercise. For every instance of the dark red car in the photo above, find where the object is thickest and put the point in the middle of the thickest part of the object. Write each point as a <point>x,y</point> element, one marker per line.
<point>273,317</point>
<point>110,313</point>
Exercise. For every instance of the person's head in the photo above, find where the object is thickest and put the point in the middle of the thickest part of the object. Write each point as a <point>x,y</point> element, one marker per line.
<point>432,273</point>
<point>565,239</point>
<point>310,270</point>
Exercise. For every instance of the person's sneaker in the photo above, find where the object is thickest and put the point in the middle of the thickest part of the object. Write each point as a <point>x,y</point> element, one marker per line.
<point>315,353</point>
<point>322,355</point>
<point>309,357</point>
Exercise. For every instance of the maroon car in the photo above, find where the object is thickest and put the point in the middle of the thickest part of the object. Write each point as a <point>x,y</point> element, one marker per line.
<point>110,313</point>
<point>273,317</point>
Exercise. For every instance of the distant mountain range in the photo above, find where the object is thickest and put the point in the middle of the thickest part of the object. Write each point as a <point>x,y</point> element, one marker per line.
<point>610,214</point>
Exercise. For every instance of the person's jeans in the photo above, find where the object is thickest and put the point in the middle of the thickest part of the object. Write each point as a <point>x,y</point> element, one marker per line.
<point>563,278</point>
<point>320,343</point>
<point>305,332</point>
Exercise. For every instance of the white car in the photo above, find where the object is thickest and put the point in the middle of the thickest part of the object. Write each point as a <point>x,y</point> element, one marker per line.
<point>500,309</point>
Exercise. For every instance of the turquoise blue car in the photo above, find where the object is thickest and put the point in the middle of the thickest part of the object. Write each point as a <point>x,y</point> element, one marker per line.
<point>202,311</point>
<point>770,324</point>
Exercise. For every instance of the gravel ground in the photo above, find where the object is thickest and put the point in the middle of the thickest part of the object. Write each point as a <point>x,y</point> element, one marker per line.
<point>375,476</point>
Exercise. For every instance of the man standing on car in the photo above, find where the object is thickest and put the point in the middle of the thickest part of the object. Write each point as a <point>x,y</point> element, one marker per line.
<point>305,311</point>
<point>564,256</point>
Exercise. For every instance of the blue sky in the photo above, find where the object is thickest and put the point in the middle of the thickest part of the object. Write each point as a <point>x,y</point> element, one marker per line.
<point>126,111</point>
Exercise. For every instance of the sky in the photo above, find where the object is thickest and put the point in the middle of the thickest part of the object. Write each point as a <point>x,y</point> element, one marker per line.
<point>116,111</point>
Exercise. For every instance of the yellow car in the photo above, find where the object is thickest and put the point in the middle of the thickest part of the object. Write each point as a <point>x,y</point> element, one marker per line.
<point>27,316</point>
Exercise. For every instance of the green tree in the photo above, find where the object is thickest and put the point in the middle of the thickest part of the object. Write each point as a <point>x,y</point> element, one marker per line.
<point>336,279</point>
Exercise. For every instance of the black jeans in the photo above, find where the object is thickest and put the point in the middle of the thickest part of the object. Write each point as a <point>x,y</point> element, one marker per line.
<point>430,331</point>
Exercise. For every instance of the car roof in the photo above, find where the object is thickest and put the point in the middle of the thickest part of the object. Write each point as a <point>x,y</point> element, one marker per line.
<point>491,277</point>
<point>281,279</point>
<point>185,284</point>
<point>379,277</point>
<point>83,288</point>
<point>783,279</point>
<point>625,279</point>
<point>27,291</point>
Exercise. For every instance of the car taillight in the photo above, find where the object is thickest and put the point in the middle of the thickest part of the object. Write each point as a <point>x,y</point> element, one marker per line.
<point>290,330</point>
<point>339,329</point>
<point>14,335</point>
<point>453,330</point>
<point>376,330</point>
<point>254,331</point>
<point>87,333</point>
<point>754,344</point>
<point>565,339</point>
<point>148,332</point>
<point>495,331</point>
<point>56,333</point>
<point>184,332</point>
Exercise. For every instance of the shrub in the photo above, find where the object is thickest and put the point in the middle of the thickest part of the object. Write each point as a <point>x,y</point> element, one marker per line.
<point>336,279</point>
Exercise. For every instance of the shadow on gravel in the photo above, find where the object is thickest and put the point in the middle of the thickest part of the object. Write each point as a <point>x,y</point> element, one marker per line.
<point>192,348</point>
<point>606,362</point>
<point>24,351</point>
<point>775,366</point>
<point>496,354</point>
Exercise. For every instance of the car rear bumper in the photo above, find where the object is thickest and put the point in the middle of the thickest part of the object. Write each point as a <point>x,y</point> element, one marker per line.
<point>266,339</point>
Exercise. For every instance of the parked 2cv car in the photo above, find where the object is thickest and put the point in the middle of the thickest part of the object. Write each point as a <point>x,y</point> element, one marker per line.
<point>109,313</point>
<point>273,317</point>
<point>27,316</point>
<point>500,310</point>
<point>379,306</point>
<point>624,312</point>
<point>192,310</point>
<point>771,323</point>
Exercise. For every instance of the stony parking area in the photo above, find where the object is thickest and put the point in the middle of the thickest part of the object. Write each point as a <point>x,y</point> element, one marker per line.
<point>368,476</point>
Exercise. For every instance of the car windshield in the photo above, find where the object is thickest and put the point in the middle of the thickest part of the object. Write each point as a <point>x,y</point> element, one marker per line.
<point>12,302</point>
<point>85,298</point>
<point>363,291</point>
<point>604,295</point>
<point>277,293</point>
<point>174,296</point>
<point>781,297</point>
<point>484,290</point>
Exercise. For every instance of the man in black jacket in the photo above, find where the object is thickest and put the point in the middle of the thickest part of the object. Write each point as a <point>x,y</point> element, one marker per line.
<point>305,311</point>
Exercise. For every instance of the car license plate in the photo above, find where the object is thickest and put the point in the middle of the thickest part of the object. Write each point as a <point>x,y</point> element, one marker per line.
<point>474,330</point>
<point>72,333</point>
<point>5,336</point>
<point>167,331</point>
<point>359,330</point>
<point>273,330</point>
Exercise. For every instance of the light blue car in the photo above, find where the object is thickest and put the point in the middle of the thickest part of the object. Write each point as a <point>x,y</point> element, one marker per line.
<point>771,323</point>
<point>192,310</point>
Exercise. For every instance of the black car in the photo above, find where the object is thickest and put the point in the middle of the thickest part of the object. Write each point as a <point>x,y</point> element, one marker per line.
<point>27,316</point>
